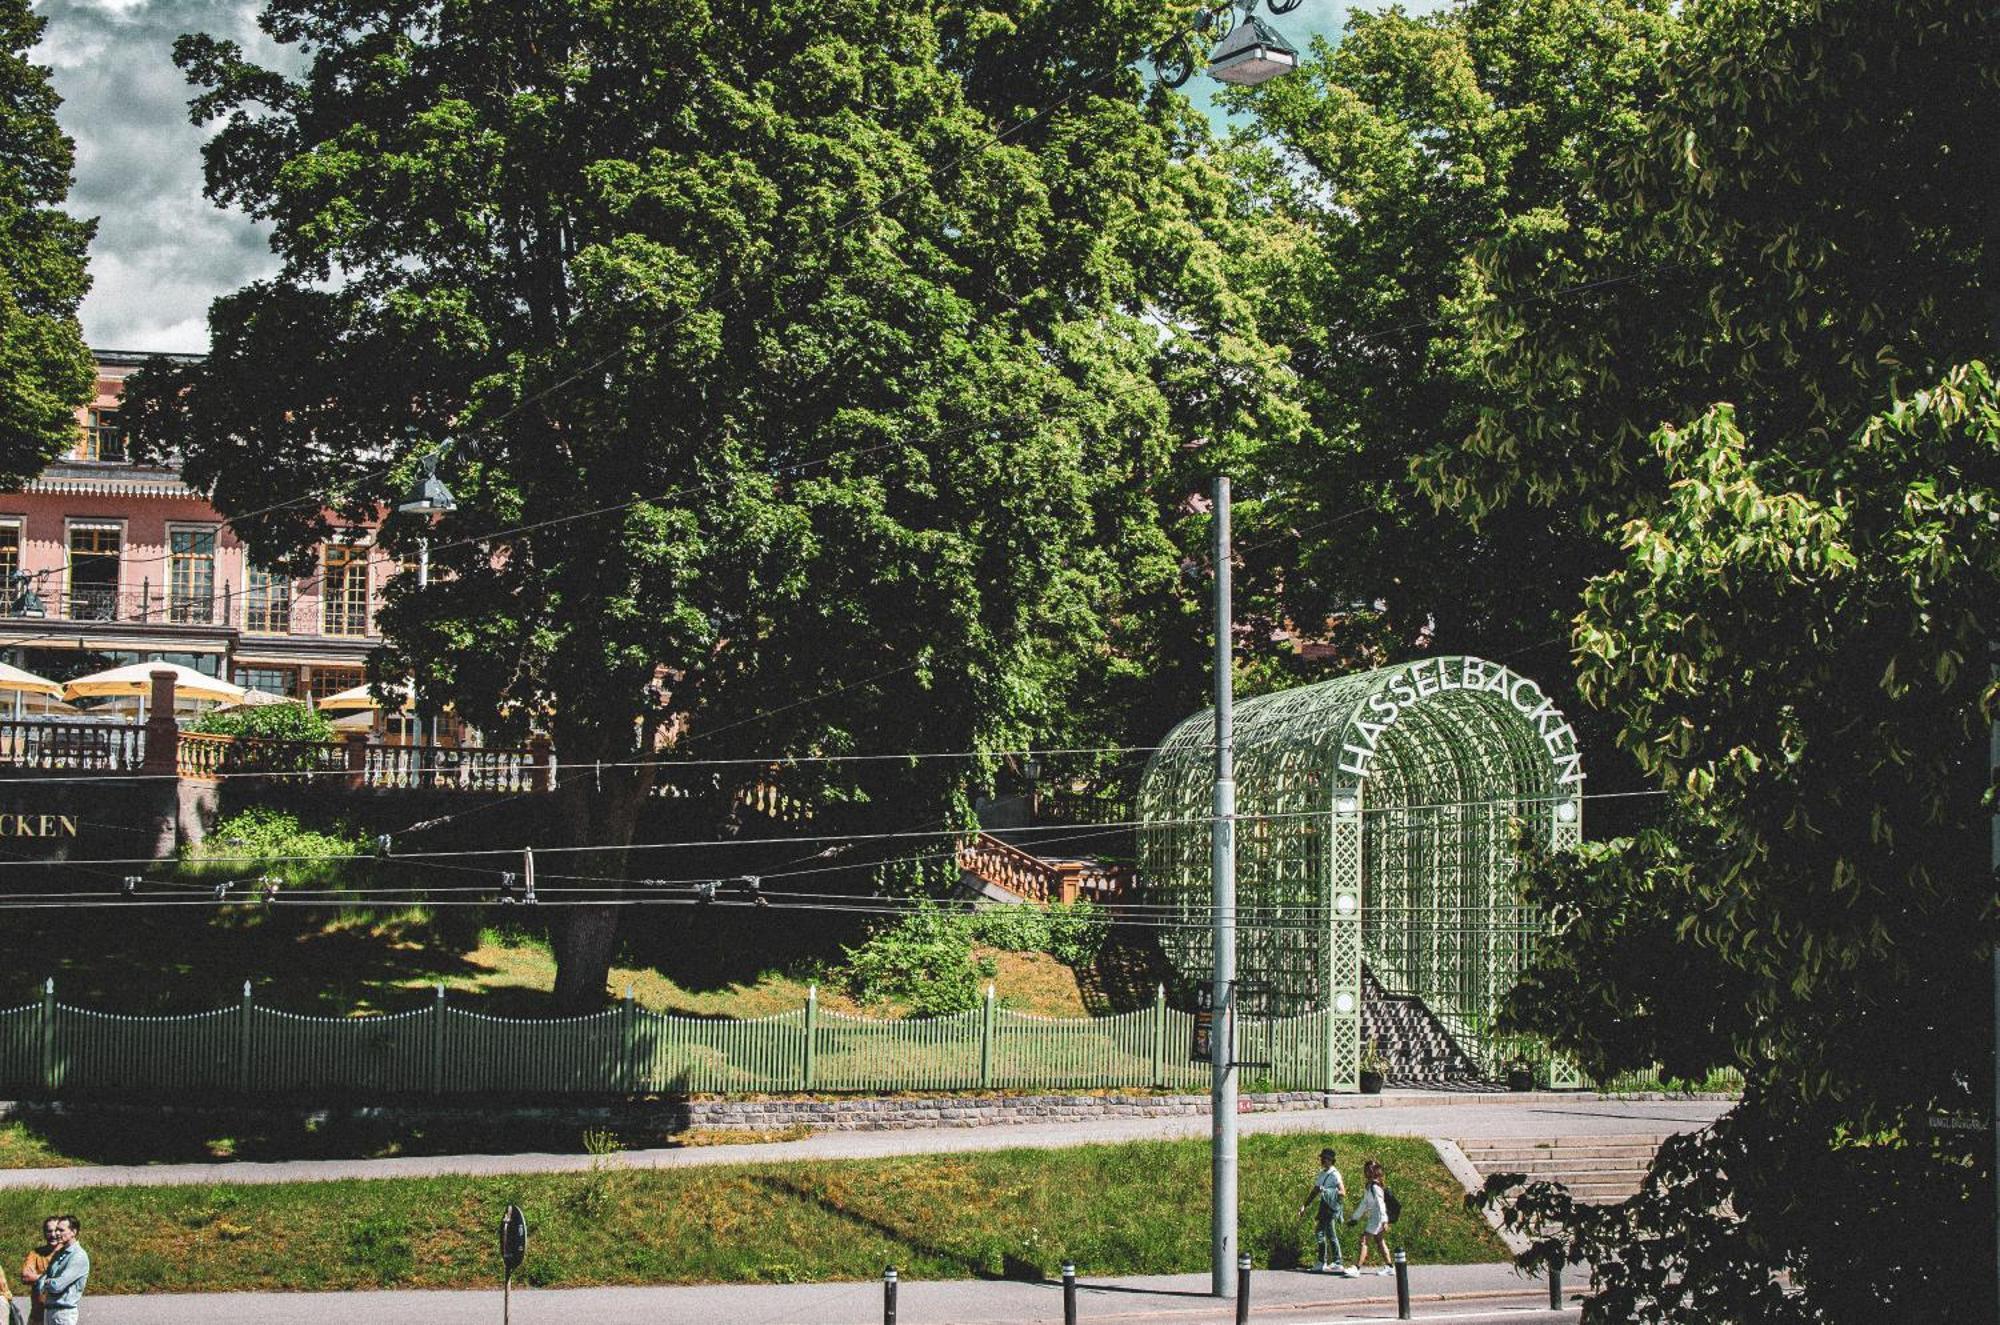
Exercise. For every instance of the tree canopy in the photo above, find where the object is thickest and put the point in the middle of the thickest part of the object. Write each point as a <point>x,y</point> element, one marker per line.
<point>1777,404</point>
<point>45,369</point>
<point>818,374</point>
<point>1406,157</point>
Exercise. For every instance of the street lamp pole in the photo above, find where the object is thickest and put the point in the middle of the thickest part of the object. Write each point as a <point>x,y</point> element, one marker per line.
<point>426,724</point>
<point>428,497</point>
<point>1222,865</point>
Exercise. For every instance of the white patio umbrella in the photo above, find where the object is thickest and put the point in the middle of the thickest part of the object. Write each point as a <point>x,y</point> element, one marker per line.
<point>22,684</point>
<point>135,681</point>
<point>257,699</point>
<point>361,699</point>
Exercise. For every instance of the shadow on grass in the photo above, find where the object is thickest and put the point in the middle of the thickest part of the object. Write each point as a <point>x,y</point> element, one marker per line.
<point>710,950</point>
<point>1127,972</point>
<point>192,960</point>
<point>1011,1267</point>
<point>40,1135</point>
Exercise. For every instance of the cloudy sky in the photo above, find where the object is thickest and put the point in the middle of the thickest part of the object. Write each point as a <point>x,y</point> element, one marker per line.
<point>162,250</point>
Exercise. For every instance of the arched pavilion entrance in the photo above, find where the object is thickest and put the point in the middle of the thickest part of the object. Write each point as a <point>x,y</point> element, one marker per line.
<point>1377,822</point>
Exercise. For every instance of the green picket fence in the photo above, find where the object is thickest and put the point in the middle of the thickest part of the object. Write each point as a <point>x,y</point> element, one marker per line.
<point>53,1050</point>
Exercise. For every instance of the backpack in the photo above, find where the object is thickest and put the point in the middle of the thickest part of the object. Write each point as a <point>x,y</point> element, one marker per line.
<point>1391,1207</point>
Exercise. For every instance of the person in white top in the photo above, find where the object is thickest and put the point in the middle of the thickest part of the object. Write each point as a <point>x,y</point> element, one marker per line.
<point>1373,1216</point>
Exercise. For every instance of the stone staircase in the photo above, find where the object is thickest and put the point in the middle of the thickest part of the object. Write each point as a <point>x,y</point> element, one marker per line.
<point>1419,1051</point>
<point>1600,1170</point>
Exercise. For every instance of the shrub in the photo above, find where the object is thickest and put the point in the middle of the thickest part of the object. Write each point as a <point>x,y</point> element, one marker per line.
<point>243,842</point>
<point>924,959</point>
<point>1072,933</point>
<point>1077,932</point>
<point>271,722</point>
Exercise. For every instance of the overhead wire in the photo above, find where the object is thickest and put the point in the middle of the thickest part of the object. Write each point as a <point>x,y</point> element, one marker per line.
<point>1033,834</point>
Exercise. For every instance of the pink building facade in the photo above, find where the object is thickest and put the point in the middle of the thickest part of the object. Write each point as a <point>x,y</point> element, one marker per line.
<point>104,562</point>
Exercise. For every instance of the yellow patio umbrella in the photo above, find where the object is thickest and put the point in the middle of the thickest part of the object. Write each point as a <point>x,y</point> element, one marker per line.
<point>361,698</point>
<point>22,684</point>
<point>135,680</point>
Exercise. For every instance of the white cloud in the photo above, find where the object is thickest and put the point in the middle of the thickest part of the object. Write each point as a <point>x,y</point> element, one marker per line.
<point>163,251</point>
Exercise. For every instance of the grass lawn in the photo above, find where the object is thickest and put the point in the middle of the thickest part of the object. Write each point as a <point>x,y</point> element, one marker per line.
<point>1139,1208</point>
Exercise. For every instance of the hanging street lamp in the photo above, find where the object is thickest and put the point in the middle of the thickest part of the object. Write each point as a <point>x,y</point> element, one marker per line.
<point>428,495</point>
<point>1251,53</point>
<point>1245,50</point>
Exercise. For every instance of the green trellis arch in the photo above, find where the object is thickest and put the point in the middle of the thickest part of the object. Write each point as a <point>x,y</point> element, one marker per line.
<point>1377,820</point>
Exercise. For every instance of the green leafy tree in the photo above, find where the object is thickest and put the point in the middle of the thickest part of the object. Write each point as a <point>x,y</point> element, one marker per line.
<point>818,373</point>
<point>1408,158</point>
<point>45,369</point>
<point>1794,646</point>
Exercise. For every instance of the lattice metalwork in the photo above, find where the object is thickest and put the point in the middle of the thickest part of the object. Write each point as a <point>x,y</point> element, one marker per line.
<point>1379,817</point>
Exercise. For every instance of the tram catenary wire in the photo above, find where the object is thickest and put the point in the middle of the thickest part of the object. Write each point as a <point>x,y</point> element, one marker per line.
<point>728,842</point>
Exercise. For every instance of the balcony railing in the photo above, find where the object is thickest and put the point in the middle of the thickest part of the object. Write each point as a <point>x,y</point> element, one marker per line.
<point>147,605</point>
<point>360,764</point>
<point>98,747</point>
<point>1006,866</point>
<point>227,607</point>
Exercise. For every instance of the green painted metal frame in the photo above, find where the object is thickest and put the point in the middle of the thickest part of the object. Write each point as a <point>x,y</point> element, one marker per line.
<point>1379,818</point>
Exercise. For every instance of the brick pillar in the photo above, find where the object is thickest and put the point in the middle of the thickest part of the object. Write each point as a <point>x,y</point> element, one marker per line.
<point>538,763</point>
<point>163,738</point>
<point>357,761</point>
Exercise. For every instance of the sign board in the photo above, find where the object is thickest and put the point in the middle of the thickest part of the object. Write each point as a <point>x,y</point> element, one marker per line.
<point>1201,1046</point>
<point>513,1239</point>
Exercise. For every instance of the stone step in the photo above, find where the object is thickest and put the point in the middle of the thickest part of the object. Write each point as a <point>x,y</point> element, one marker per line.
<point>1597,1170</point>
<point>1641,1155</point>
<point>1564,1147</point>
<point>1587,1170</point>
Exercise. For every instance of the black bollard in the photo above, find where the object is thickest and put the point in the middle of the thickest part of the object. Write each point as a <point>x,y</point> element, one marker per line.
<point>1402,1285</point>
<point>1555,1285</point>
<point>1243,1290</point>
<point>1069,1293</point>
<point>889,1296</point>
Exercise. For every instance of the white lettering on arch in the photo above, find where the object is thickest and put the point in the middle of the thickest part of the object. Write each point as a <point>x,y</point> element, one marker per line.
<point>1420,681</point>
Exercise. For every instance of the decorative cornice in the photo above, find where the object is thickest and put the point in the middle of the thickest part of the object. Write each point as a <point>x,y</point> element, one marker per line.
<point>111,485</point>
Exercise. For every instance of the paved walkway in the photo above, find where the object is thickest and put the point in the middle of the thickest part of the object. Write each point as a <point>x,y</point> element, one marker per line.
<point>1414,1113</point>
<point>1289,1296</point>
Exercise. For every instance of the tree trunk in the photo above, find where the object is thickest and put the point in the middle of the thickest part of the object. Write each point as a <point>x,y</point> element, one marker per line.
<point>599,809</point>
<point>586,941</point>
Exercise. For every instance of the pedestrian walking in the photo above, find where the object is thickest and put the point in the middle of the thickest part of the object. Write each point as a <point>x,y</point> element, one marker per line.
<point>1329,1192</point>
<point>1373,1216</point>
<point>60,1287</point>
<point>36,1265</point>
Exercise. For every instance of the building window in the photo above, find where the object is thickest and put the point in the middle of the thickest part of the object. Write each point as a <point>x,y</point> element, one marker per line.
<point>267,607</point>
<point>103,439</point>
<point>93,571</point>
<point>345,589</point>
<point>12,591</point>
<point>271,680</point>
<point>191,576</point>
<point>332,680</point>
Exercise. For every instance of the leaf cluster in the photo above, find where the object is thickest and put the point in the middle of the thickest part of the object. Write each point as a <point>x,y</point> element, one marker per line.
<point>45,370</point>
<point>269,722</point>
<point>1776,408</point>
